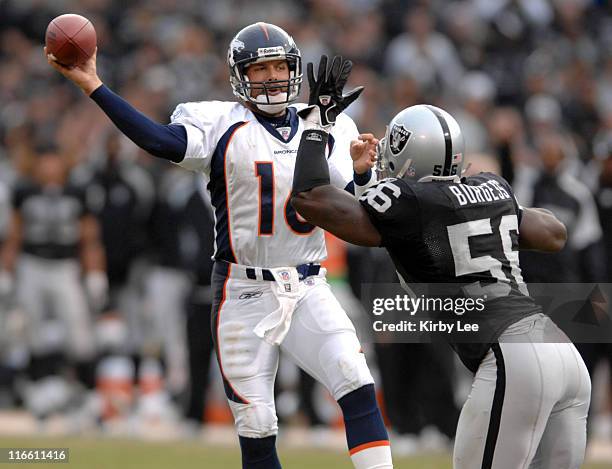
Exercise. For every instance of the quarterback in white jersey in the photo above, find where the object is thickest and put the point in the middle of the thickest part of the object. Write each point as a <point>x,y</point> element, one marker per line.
<point>270,292</point>
<point>249,167</point>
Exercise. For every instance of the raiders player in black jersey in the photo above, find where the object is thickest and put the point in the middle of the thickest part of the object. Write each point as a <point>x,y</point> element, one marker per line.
<point>530,394</point>
<point>53,248</point>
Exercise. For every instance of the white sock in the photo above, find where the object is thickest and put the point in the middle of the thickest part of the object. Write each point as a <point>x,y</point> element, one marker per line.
<point>375,455</point>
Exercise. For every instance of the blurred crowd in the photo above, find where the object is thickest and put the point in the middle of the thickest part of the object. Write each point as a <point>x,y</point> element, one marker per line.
<point>530,82</point>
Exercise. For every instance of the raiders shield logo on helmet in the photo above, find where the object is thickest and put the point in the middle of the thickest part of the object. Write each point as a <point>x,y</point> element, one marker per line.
<point>398,137</point>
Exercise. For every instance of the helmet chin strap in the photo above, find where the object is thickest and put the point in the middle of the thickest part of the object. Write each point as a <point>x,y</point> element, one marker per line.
<point>272,104</point>
<point>402,171</point>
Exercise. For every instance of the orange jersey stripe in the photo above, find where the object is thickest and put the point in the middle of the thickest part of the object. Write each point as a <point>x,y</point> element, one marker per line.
<point>229,221</point>
<point>371,444</point>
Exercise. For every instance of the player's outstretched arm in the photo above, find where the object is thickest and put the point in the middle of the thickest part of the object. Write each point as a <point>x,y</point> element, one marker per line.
<point>84,75</point>
<point>164,141</point>
<point>313,197</point>
<point>540,230</point>
<point>338,212</point>
<point>322,204</point>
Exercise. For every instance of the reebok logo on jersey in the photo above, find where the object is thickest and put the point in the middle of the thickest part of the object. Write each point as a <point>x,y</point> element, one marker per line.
<point>250,295</point>
<point>176,114</point>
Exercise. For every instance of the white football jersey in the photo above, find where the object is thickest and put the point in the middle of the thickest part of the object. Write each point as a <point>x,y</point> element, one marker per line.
<point>248,165</point>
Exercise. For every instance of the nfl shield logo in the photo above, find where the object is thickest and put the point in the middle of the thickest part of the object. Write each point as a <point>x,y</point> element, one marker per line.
<point>398,137</point>
<point>285,275</point>
<point>284,132</point>
<point>324,100</point>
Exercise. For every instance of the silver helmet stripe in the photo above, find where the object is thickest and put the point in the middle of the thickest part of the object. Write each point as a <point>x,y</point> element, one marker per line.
<point>448,142</point>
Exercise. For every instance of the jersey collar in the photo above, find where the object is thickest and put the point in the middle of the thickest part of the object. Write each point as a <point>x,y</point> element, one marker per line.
<point>271,123</point>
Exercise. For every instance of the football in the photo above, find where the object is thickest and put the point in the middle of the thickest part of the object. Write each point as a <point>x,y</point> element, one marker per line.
<point>71,39</point>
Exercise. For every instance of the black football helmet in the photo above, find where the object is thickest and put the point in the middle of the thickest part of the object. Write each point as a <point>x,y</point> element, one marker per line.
<point>262,42</point>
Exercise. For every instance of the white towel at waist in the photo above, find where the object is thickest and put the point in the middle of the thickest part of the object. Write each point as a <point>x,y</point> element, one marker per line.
<point>287,289</point>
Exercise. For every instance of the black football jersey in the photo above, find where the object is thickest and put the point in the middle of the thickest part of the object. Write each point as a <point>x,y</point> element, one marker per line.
<point>462,234</point>
<point>121,197</point>
<point>51,219</point>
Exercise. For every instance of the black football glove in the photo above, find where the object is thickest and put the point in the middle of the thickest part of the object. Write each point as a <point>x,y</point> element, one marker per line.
<point>326,100</point>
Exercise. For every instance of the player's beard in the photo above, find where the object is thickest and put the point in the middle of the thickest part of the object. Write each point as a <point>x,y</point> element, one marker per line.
<point>272,104</point>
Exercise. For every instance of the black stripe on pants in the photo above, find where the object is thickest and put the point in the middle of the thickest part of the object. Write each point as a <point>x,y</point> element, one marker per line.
<point>496,408</point>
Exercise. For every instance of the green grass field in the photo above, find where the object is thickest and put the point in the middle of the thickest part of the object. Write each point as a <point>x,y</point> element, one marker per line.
<point>106,453</point>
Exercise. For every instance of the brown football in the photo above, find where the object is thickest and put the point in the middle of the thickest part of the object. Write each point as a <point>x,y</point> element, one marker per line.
<point>71,39</point>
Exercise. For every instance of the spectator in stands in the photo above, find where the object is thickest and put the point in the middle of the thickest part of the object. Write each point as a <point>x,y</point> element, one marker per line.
<point>553,186</point>
<point>424,54</point>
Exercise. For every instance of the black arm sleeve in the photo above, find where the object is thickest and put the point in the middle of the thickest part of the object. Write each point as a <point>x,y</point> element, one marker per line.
<point>164,141</point>
<point>311,169</point>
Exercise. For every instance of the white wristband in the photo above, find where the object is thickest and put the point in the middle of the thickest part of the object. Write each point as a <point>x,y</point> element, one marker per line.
<point>313,120</point>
